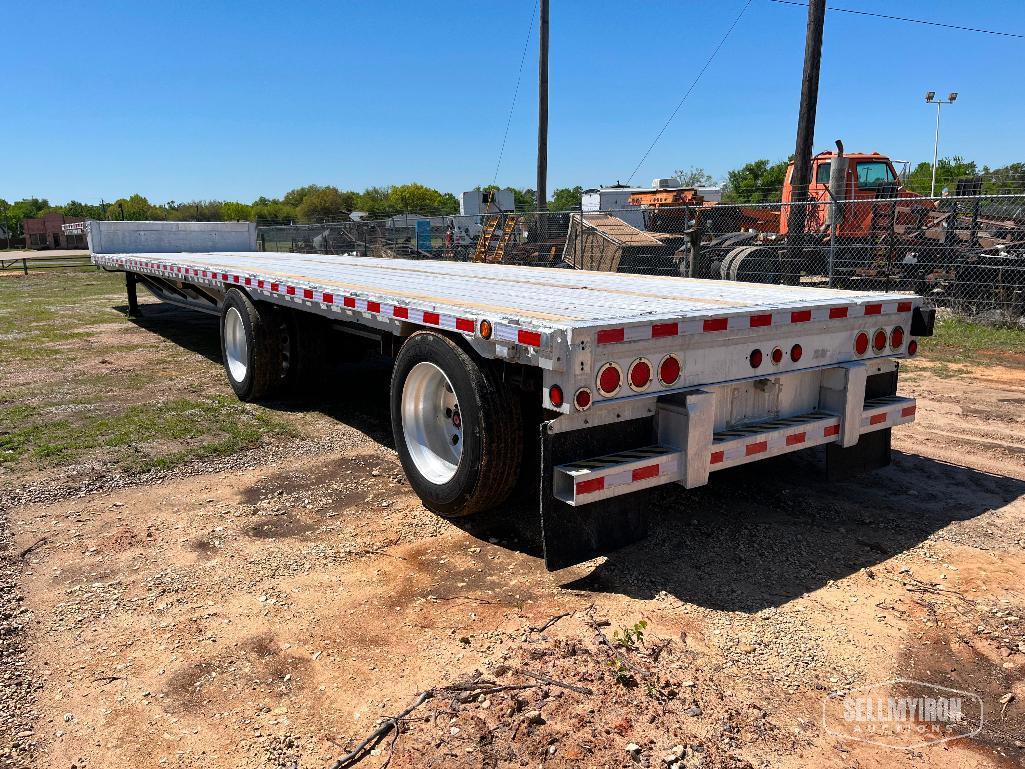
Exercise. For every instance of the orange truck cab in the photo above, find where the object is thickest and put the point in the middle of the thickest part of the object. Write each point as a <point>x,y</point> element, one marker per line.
<point>867,175</point>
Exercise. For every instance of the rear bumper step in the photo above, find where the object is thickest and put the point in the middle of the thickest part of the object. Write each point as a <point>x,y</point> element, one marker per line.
<point>580,483</point>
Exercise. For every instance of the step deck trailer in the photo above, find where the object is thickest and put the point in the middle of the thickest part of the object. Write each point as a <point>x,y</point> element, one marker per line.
<point>638,381</point>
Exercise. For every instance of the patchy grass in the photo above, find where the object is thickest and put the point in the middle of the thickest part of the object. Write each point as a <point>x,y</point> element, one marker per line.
<point>960,341</point>
<point>139,437</point>
<point>174,408</point>
<point>39,311</point>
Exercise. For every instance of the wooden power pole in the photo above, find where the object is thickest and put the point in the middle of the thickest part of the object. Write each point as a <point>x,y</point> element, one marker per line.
<point>542,113</point>
<point>801,178</point>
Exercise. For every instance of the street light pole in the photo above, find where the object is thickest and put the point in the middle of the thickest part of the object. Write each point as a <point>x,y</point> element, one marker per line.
<point>930,98</point>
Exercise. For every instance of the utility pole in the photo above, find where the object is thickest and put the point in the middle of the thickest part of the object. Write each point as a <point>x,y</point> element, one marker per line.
<point>542,113</point>
<point>801,178</point>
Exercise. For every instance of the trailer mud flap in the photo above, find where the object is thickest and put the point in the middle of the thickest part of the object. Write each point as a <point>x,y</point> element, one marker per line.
<point>570,534</point>
<point>872,451</point>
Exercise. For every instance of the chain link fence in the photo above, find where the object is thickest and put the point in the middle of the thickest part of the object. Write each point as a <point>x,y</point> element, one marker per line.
<point>962,252</point>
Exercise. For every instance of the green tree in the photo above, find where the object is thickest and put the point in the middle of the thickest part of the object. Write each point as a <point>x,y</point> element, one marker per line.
<point>233,211</point>
<point>295,197</point>
<point>756,182</point>
<point>525,199</point>
<point>373,200</point>
<point>566,199</point>
<point>27,208</point>
<point>272,210</point>
<point>324,203</point>
<point>416,198</point>
<point>694,177</point>
<point>948,172</point>
<point>1003,180</point>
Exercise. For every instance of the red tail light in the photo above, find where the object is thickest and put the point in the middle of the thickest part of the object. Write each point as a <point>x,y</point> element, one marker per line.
<point>582,399</point>
<point>610,378</point>
<point>776,355</point>
<point>639,375</point>
<point>796,352</point>
<point>755,358</point>
<point>669,370</point>
<point>555,395</point>
<point>896,338</point>
<point>879,340</point>
<point>912,347</point>
<point>861,343</point>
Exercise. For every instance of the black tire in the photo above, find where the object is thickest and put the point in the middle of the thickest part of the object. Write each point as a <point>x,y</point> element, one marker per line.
<point>492,428</point>
<point>264,360</point>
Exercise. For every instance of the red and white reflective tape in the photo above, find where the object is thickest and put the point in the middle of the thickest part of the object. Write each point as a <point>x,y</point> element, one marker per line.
<point>336,299</point>
<point>730,451</point>
<point>887,412</point>
<point>776,318</point>
<point>620,479</point>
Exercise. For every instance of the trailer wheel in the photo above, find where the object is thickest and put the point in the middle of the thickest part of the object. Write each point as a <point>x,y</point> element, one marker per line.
<point>458,430</point>
<point>251,347</point>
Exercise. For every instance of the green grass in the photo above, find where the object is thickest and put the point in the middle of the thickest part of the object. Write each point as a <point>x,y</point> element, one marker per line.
<point>134,420</point>
<point>139,437</point>
<point>957,340</point>
<point>39,311</point>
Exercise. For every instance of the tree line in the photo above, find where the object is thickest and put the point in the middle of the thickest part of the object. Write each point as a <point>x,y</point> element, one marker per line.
<point>758,181</point>
<point>312,203</point>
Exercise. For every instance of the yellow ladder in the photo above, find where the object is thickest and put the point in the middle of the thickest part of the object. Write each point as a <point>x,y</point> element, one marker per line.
<point>484,240</point>
<point>507,231</point>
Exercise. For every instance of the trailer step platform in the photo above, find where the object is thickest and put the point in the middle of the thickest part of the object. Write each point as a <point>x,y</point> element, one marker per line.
<point>580,483</point>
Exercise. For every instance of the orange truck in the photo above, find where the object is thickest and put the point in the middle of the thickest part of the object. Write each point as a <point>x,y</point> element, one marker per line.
<point>867,177</point>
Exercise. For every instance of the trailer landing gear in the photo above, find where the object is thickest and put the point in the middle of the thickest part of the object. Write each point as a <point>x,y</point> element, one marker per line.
<point>131,290</point>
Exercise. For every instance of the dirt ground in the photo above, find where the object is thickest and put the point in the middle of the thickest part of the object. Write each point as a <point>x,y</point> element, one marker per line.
<point>268,607</point>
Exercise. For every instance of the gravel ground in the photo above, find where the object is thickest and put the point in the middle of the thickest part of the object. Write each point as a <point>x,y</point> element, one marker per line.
<point>17,716</point>
<point>271,607</point>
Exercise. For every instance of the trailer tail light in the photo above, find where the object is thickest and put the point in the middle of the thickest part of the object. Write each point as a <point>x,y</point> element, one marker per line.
<point>879,340</point>
<point>555,395</point>
<point>610,378</point>
<point>912,347</point>
<point>777,356</point>
<point>896,338</point>
<point>755,358</point>
<point>639,375</point>
<point>861,343</point>
<point>669,370</point>
<point>582,399</point>
<point>485,329</point>
<point>796,352</point>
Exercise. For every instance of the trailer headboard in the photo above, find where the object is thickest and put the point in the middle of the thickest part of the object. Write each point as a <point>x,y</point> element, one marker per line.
<point>170,237</point>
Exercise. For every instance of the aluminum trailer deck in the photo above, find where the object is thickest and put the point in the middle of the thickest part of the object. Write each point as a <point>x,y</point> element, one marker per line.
<point>644,380</point>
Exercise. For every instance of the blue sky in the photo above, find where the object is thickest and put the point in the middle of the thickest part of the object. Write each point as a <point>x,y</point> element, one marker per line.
<point>214,99</point>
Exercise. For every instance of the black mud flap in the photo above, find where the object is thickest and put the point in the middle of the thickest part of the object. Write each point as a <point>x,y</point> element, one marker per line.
<point>872,451</point>
<point>571,534</point>
<point>923,321</point>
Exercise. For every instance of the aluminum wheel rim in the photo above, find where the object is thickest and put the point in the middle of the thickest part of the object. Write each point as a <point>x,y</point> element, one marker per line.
<point>236,347</point>
<point>432,425</point>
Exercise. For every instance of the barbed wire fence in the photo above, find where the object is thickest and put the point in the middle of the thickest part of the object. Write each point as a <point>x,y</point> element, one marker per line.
<point>963,251</point>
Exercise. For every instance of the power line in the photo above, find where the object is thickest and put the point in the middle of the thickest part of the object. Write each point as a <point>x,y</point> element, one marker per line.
<point>904,18</point>
<point>516,91</point>
<point>692,85</point>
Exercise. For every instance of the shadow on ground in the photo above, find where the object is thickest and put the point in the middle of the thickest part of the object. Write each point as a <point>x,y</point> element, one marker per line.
<point>762,535</point>
<point>756,536</point>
